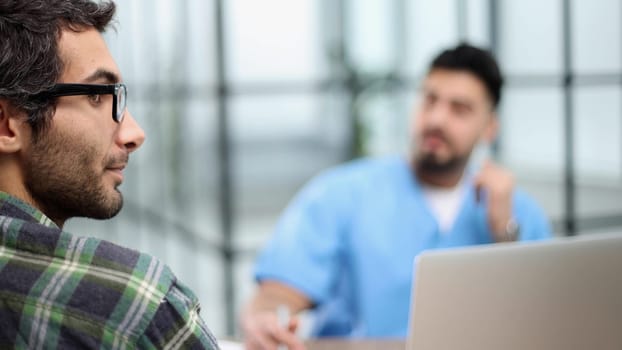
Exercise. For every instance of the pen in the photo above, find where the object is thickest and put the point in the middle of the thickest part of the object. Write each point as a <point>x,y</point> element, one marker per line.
<point>282,315</point>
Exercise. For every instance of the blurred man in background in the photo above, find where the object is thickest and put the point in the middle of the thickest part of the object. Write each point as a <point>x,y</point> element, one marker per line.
<point>345,246</point>
<point>65,138</point>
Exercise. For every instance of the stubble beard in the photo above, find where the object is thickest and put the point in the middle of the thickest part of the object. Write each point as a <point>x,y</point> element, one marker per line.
<point>431,164</point>
<point>65,180</point>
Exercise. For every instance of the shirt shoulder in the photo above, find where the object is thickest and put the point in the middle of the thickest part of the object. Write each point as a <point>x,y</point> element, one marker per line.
<point>177,323</point>
<point>367,168</point>
<point>65,289</point>
<point>364,174</point>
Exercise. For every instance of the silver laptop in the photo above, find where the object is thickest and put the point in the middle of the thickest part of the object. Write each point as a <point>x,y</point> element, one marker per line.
<point>561,294</point>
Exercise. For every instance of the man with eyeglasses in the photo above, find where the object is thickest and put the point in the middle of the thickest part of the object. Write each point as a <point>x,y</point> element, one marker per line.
<point>65,139</point>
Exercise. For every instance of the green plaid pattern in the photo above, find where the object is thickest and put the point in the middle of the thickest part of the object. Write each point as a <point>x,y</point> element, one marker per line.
<point>60,291</point>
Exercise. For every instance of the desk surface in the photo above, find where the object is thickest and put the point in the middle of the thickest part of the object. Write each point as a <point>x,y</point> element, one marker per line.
<point>336,344</point>
<point>333,344</point>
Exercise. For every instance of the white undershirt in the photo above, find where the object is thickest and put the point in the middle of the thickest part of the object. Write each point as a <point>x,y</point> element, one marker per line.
<point>445,203</point>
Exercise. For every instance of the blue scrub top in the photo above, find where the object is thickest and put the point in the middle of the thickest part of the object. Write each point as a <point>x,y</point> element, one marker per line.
<point>348,241</point>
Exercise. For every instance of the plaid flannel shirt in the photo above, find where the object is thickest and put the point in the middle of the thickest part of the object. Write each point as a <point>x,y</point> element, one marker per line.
<point>60,291</point>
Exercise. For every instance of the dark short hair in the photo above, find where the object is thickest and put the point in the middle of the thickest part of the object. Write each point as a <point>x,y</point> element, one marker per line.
<point>29,57</point>
<point>476,61</point>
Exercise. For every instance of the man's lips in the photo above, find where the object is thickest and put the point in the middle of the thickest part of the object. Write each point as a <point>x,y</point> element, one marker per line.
<point>117,169</point>
<point>117,163</point>
<point>118,166</point>
<point>433,141</point>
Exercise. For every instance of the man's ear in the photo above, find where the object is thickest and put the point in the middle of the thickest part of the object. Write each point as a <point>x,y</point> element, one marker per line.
<point>11,128</point>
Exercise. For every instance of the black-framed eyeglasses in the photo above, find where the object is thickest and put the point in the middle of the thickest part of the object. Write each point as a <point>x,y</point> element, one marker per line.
<point>118,90</point>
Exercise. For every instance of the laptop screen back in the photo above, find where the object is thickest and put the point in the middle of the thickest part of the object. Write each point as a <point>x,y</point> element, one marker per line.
<point>558,294</point>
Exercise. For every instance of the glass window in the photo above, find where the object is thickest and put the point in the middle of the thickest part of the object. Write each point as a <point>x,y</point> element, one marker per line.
<point>596,36</point>
<point>531,143</point>
<point>531,123</point>
<point>597,133</point>
<point>273,40</point>
<point>478,22</point>
<point>373,34</point>
<point>530,38</point>
<point>200,36</point>
<point>386,119</point>
<point>432,26</point>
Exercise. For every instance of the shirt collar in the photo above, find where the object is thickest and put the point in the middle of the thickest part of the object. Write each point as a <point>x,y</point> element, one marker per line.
<point>13,205</point>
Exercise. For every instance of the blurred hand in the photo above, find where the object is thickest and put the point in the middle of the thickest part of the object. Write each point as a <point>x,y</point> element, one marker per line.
<point>496,185</point>
<point>262,331</point>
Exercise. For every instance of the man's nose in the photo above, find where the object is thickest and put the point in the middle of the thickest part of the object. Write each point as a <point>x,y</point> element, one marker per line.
<point>438,114</point>
<point>131,136</point>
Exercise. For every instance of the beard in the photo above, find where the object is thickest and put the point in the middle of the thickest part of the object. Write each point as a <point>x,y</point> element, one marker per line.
<point>65,179</point>
<point>432,163</point>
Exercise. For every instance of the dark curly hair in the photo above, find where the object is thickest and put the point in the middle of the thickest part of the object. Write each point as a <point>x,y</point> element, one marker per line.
<point>29,57</point>
<point>476,61</point>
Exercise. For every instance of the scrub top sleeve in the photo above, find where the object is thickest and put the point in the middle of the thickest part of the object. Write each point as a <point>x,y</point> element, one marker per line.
<point>304,251</point>
<point>533,222</point>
